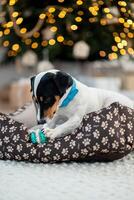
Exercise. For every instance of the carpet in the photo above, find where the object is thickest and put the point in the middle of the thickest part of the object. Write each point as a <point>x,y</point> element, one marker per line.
<point>68,181</point>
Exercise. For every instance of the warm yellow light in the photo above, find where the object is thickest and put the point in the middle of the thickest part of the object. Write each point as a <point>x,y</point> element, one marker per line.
<point>53,28</point>
<point>9,24</point>
<point>92,19</point>
<point>117,39</point>
<point>109,16</point>
<point>79,2</point>
<point>15,47</point>
<point>123,35</point>
<point>23,30</point>
<point>78,19</point>
<point>120,45</point>
<point>60,1</point>
<point>123,10</point>
<point>112,56</point>
<point>70,42</point>
<point>115,34</point>
<point>100,2</point>
<point>130,35</point>
<point>15,14</point>
<point>124,42</point>
<point>126,30</point>
<point>19,20</point>
<point>103,22</point>
<point>52,42</point>
<point>131,51</point>
<point>102,53</point>
<point>122,3</point>
<point>36,34</point>
<point>114,48</point>
<point>28,41</point>
<point>96,8</point>
<point>44,43</point>
<point>80,12</point>
<point>51,9</point>
<point>122,51</point>
<point>62,14</point>
<point>1,33</point>
<point>12,2</point>
<point>5,43</point>
<point>34,45</point>
<point>7,31</point>
<point>42,16</point>
<point>129,21</point>
<point>60,38</point>
<point>106,10</point>
<point>93,11</point>
<point>51,20</point>
<point>126,25</point>
<point>121,20</point>
<point>74,27</point>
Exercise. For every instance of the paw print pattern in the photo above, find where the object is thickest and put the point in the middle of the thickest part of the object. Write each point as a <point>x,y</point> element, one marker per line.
<point>105,132</point>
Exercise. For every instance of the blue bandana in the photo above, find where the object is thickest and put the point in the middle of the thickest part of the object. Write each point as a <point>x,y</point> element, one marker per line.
<point>70,96</point>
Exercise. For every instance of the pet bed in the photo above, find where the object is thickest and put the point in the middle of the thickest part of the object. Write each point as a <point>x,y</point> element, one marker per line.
<point>105,135</point>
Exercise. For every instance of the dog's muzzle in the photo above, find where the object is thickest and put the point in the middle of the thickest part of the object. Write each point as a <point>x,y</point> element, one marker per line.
<point>41,121</point>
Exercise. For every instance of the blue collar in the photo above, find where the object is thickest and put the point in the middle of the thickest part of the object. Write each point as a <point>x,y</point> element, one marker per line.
<point>70,96</point>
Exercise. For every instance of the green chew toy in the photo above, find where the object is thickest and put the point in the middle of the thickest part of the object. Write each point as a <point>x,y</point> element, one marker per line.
<point>38,137</point>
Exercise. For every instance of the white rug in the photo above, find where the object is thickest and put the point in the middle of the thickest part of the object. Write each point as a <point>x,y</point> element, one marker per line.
<point>73,181</point>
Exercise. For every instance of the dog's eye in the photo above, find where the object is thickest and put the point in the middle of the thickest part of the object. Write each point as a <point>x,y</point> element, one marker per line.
<point>46,100</point>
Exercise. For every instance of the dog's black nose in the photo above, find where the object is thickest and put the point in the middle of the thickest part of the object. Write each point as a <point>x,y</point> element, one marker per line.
<point>42,121</point>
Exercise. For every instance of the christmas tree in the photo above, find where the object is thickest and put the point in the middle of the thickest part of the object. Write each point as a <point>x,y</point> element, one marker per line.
<point>68,29</point>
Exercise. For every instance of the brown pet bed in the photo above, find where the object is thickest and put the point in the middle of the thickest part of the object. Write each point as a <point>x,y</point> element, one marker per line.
<point>105,135</point>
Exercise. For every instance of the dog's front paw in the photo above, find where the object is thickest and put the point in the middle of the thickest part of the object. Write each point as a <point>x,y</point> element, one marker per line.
<point>50,133</point>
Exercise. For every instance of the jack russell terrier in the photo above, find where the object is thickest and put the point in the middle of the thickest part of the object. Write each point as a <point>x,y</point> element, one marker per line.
<point>58,96</point>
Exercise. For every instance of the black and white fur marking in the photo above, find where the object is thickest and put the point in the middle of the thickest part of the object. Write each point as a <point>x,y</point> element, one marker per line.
<point>54,82</point>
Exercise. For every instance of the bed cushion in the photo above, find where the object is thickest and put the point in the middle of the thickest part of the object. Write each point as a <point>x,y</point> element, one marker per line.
<point>105,135</point>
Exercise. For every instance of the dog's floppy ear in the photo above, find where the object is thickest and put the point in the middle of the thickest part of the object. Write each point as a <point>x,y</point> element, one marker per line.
<point>32,82</point>
<point>63,81</point>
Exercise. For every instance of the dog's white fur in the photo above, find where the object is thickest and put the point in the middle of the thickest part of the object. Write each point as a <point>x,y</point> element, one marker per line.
<point>87,100</point>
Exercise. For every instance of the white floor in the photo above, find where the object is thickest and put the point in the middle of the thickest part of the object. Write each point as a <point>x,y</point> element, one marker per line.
<point>85,181</point>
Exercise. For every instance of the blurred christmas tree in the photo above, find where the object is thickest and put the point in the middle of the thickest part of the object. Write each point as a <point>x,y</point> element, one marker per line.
<point>69,29</point>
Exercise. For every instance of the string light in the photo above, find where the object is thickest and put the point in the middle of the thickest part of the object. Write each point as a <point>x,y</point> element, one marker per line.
<point>15,47</point>
<point>52,42</point>
<point>51,10</point>
<point>36,34</point>
<point>6,31</point>
<point>34,45</point>
<point>23,30</point>
<point>44,43</point>
<point>9,24</point>
<point>62,14</point>
<point>121,38</point>
<point>60,38</point>
<point>19,20</point>
<point>114,48</point>
<point>6,43</point>
<point>15,14</point>
<point>12,2</point>
<point>53,28</point>
<point>79,2</point>
<point>28,41</point>
<point>1,33</point>
<point>102,53</point>
<point>42,16</point>
<point>78,19</point>
<point>131,51</point>
<point>74,27</point>
<point>60,1</point>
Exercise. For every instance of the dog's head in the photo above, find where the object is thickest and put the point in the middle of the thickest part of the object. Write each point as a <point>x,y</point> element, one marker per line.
<point>47,89</point>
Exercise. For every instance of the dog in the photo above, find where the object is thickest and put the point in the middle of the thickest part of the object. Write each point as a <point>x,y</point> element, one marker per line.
<point>61,101</point>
